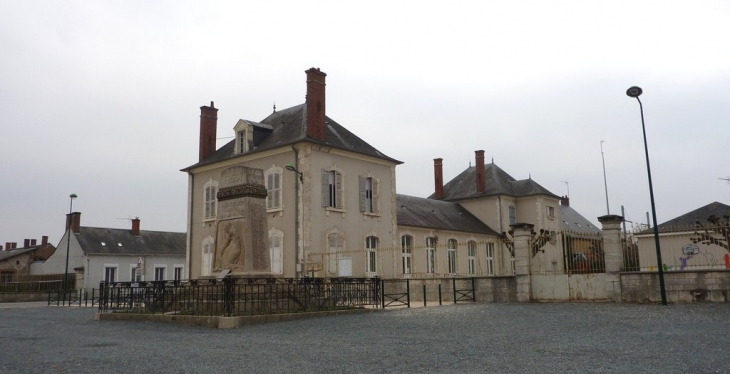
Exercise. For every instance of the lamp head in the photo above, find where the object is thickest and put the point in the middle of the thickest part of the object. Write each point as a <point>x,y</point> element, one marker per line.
<point>634,91</point>
<point>290,167</point>
<point>73,196</point>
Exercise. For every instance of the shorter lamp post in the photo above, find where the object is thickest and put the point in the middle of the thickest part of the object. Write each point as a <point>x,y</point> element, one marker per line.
<point>303,262</point>
<point>68,245</point>
<point>636,92</point>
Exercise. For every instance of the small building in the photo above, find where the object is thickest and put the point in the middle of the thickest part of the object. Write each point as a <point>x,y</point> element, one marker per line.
<point>16,262</point>
<point>99,254</point>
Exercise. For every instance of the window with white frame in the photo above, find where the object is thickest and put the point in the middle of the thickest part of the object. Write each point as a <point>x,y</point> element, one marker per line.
<point>210,191</point>
<point>136,274</point>
<point>490,258</point>
<point>160,273</point>
<point>332,189</point>
<point>406,242</point>
<point>335,244</point>
<point>430,255</point>
<point>471,251</point>
<point>451,248</point>
<point>242,141</point>
<point>208,251</point>
<point>550,212</point>
<point>371,247</point>
<point>512,215</point>
<point>275,251</point>
<point>110,273</point>
<point>273,188</point>
<point>178,273</point>
<point>369,194</point>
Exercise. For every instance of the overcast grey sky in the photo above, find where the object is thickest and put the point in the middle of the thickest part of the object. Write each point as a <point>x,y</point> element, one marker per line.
<point>102,99</point>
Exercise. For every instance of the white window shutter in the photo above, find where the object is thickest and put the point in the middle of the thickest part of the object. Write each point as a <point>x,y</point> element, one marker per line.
<point>339,193</point>
<point>325,188</point>
<point>362,194</point>
<point>376,193</point>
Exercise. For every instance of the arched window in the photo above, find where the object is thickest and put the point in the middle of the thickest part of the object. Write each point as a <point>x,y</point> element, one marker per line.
<point>276,238</point>
<point>471,253</point>
<point>371,246</point>
<point>273,188</point>
<point>208,251</point>
<point>452,255</point>
<point>406,250</point>
<point>335,244</point>
<point>210,190</point>
<point>430,255</point>
<point>490,258</point>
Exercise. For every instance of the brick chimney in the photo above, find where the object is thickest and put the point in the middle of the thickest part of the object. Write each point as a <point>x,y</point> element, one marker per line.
<point>208,130</point>
<point>26,243</point>
<point>438,178</point>
<point>8,246</point>
<point>75,220</point>
<point>44,239</point>
<point>15,245</point>
<point>315,101</point>
<point>33,242</point>
<point>481,173</point>
<point>2,248</point>
<point>564,201</point>
<point>135,226</point>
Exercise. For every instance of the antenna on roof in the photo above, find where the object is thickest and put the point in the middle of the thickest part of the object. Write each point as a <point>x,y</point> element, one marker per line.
<point>129,218</point>
<point>274,106</point>
<point>725,179</point>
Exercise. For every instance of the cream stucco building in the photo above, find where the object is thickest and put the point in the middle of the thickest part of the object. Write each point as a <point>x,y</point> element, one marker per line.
<point>332,208</point>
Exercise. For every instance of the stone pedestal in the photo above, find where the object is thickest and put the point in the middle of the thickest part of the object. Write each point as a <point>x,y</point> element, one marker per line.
<point>241,224</point>
<point>614,255</point>
<point>522,233</point>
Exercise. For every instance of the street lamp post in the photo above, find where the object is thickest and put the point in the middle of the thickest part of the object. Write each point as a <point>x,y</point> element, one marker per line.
<point>636,92</point>
<point>605,184</point>
<point>68,245</point>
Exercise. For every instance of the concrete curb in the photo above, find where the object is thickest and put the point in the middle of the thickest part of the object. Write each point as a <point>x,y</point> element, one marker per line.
<point>224,322</point>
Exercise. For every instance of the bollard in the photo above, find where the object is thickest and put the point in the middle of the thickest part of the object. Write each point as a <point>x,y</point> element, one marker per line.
<point>453,288</point>
<point>440,294</point>
<point>424,295</point>
<point>408,292</point>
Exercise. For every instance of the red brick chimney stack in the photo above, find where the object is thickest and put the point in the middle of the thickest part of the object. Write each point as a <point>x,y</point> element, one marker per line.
<point>44,239</point>
<point>75,220</point>
<point>135,226</point>
<point>33,242</point>
<point>481,173</point>
<point>8,246</point>
<point>438,178</point>
<point>208,130</point>
<point>564,201</point>
<point>315,101</point>
<point>26,243</point>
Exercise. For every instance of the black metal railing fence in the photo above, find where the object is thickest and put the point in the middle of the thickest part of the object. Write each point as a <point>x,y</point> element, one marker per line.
<point>238,296</point>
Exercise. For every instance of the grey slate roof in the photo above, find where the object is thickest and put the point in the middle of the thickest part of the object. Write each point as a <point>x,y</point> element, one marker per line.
<point>573,221</point>
<point>464,185</point>
<point>437,214</point>
<point>147,243</point>
<point>289,127</point>
<point>700,214</point>
<point>14,252</point>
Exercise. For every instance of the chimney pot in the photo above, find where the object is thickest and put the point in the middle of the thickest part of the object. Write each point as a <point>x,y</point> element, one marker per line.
<point>135,226</point>
<point>438,178</point>
<point>564,201</point>
<point>8,246</point>
<point>315,105</point>
<point>480,172</point>
<point>26,243</point>
<point>44,240</point>
<point>33,242</point>
<point>208,131</point>
<point>15,245</point>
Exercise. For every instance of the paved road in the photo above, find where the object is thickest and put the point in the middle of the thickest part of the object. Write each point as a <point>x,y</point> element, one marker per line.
<point>499,338</point>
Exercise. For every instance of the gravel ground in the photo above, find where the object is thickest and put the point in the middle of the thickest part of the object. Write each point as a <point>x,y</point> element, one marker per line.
<point>499,338</point>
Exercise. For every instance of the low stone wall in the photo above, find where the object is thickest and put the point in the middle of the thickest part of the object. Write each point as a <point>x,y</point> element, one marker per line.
<point>680,286</point>
<point>23,297</point>
<point>487,289</point>
<point>222,322</point>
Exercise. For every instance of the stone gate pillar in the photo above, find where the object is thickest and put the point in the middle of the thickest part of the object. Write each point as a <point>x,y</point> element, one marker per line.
<point>522,234</point>
<point>614,255</point>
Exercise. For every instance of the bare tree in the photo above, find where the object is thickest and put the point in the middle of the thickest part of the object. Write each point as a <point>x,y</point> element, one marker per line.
<point>538,240</point>
<point>718,233</point>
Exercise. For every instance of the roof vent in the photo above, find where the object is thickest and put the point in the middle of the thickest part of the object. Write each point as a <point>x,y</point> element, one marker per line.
<point>103,244</point>
<point>119,244</point>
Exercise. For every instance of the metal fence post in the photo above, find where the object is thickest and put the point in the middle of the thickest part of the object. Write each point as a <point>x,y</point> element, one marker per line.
<point>453,288</point>
<point>440,294</point>
<point>228,284</point>
<point>408,292</point>
<point>424,295</point>
<point>382,293</point>
<point>473,290</point>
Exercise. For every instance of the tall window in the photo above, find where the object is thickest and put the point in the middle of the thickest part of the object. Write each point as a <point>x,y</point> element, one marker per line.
<point>332,189</point>
<point>512,215</point>
<point>550,212</point>
<point>210,190</point>
<point>136,275</point>
<point>242,141</point>
<point>471,251</point>
<point>159,273</point>
<point>273,189</point>
<point>490,258</point>
<point>110,274</point>
<point>430,255</point>
<point>336,246</point>
<point>371,246</point>
<point>406,248</point>
<point>368,194</point>
<point>178,273</point>
<point>275,252</point>
<point>452,255</point>
<point>208,251</point>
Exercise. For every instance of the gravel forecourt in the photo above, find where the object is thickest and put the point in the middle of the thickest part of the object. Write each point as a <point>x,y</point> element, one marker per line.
<point>465,338</point>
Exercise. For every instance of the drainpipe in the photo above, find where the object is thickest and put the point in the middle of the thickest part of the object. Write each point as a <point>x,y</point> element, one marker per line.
<point>297,221</point>
<point>188,256</point>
